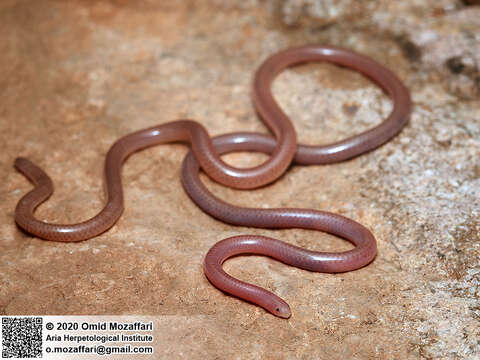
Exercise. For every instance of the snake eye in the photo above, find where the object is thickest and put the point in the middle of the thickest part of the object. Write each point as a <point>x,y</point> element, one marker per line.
<point>277,309</point>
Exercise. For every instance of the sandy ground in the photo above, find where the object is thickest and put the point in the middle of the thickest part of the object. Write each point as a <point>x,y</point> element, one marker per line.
<point>77,75</point>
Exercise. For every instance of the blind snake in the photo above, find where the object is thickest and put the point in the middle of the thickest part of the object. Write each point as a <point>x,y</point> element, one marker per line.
<point>206,152</point>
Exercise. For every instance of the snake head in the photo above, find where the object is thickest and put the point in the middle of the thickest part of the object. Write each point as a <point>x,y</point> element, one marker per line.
<point>280,308</point>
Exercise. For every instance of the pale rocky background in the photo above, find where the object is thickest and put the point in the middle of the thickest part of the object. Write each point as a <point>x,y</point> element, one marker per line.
<point>77,75</point>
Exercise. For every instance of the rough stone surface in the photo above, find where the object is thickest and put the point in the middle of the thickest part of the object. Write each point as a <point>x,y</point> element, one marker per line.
<point>77,75</point>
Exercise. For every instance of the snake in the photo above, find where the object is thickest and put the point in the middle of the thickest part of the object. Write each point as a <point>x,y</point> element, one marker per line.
<point>206,154</point>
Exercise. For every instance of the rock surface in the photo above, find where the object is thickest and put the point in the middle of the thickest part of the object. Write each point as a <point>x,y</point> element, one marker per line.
<point>77,75</point>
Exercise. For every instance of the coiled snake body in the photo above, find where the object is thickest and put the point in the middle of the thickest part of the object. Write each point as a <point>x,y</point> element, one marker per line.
<point>206,152</point>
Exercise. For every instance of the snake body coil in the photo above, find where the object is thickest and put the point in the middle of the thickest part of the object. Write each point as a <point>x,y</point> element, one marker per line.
<point>206,152</point>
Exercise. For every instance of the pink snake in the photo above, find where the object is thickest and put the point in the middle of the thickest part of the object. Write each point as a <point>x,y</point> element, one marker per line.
<point>206,154</point>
